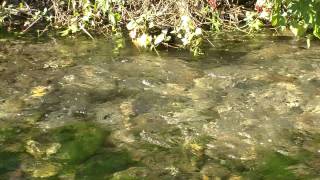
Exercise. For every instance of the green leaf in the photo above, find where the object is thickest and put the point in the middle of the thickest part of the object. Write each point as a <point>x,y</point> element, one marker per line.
<point>278,20</point>
<point>298,28</point>
<point>74,28</point>
<point>65,32</point>
<point>257,24</point>
<point>316,31</point>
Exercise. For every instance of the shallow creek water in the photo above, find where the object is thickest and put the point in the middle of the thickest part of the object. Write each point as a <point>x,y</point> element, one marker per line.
<point>73,109</point>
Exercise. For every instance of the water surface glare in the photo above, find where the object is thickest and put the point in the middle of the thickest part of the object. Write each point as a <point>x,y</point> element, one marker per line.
<point>79,109</point>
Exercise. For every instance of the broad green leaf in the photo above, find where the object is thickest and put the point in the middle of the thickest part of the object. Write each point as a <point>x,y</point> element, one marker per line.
<point>316,31</point>
<point>74,28</point>
<point>65,32</point>
<point>298,28</point>
<point>278,20</point>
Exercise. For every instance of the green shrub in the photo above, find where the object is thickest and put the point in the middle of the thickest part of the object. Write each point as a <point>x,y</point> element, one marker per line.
<point>302,17</point>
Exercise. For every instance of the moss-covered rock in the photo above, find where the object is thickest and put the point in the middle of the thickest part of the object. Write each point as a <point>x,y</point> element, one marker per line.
<point>134,173</point>
<point>274,166</point>
<point>34,117</point>
<point>102,166</point>
<point>78,142</point>
<point>9,161</point>
<point>41,150</point>
<point>7,133</point>
<point>12,137</point>
<point>41,169</point>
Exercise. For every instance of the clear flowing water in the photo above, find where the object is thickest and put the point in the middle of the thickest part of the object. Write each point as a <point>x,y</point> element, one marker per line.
<point>76,109</point>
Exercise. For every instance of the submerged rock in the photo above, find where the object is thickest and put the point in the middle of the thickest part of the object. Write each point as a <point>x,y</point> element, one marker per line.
<point>58,63</point>
<point>127,109</point>
<point>9,161</point>
<point>313,105</point>
<point>215,171</point>
<point>308,122</point>
<point>103,165</point>
<point>78,142</point>
<point>34,117</point>
<point>8,133</point>
<point>134,173</point>
<point>12,137</point>
<point>154,140</point>
<point>41,169</point>
<point>11,107</point>
<point>109,113</point>
<point>273,166</point>
<point>89,77</point>
<point>41,151</point>
<point>147,102</point>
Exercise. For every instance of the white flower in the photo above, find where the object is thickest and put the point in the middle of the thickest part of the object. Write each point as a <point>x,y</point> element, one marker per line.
<point>198,31</point>
<point>132,25</point>
<point>159,39</point>
<point>185,41</point>
<point>144,40</point>
<point>185,19</point>
<point>264,15</point>
<point>133,34</point>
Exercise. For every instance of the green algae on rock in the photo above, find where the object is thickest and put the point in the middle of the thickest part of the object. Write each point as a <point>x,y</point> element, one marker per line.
<point>34,117</point>
<point>41,151</point>
<point>9,161</point>
<point>274,166</point>
<point>41,169</point>
<point>103,165</point>
<point>78,142</point>
<point>134,173</point>
<point>7,133</point>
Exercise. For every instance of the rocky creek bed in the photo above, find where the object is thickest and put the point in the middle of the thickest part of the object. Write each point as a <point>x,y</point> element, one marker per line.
<point>72,109</point>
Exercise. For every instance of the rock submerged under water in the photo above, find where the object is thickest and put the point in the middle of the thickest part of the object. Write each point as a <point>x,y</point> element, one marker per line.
<point>78,142</point>
<point>10,161</point>
<point>102,166</point>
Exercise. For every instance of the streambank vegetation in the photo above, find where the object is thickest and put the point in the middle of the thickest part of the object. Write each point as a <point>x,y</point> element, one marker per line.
<point>154,23</point>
